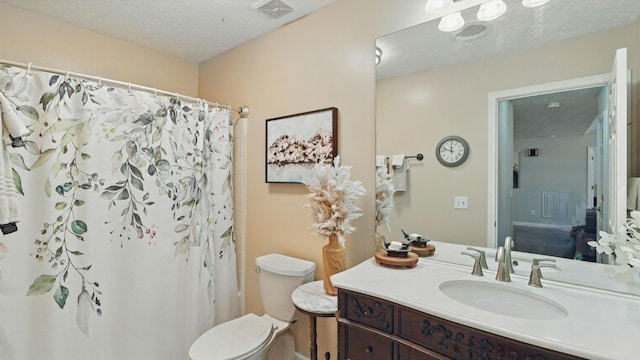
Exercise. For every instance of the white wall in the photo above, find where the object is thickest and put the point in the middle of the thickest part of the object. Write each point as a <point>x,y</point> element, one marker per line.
<point>561,165</point>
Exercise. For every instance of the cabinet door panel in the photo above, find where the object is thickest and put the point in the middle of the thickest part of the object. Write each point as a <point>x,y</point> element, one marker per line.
<point>369,311</point>
<point>465,343</point>
<point>364,345</point>
<point>409,353</point>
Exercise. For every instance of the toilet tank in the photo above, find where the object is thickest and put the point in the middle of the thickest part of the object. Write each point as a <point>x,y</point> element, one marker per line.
<point>278,276</point>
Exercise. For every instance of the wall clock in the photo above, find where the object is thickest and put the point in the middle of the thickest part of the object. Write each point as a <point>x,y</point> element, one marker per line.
<point>452,151</point>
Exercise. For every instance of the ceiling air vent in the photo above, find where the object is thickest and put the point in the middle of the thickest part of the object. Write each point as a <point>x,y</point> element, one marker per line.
<point>471,31</point>
<point>273,8</point>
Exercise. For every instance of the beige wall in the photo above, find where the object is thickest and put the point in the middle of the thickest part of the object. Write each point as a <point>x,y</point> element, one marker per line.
<point>453,101</point>
<point>324,59</point>
<point>28,37</point>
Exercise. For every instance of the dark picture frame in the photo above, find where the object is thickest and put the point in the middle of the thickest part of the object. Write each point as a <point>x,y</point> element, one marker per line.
<point>295,143</point>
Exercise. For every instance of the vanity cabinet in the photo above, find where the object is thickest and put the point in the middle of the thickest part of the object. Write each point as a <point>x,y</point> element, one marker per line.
<point>372,328</point>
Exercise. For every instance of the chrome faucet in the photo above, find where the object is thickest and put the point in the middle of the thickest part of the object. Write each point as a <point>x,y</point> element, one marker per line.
<point>536,274</point>
<point>503,272</point>
<point>508,245</point>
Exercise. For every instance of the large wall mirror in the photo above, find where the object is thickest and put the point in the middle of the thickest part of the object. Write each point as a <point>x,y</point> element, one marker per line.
<point>528,93</point>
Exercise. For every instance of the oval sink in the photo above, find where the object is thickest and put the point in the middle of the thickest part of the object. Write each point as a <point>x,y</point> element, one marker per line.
<point>503,300</point>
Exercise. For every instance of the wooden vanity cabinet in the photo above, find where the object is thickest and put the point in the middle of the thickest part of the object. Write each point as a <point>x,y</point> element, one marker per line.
<point>372,328</point>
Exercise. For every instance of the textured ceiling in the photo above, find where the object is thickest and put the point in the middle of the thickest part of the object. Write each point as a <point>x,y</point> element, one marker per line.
<point>195,30</point>
<point>424,47</point>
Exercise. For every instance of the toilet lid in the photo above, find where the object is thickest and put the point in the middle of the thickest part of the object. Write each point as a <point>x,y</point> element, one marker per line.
<point>232,339</point>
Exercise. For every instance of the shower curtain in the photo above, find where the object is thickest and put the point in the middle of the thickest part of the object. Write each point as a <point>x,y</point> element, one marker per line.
<point>125,248</point>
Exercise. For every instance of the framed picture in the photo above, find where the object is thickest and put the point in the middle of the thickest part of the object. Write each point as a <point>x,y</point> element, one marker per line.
<point>295,143</point>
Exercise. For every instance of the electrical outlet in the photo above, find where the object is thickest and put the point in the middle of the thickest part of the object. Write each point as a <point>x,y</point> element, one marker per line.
<point>460,202</point>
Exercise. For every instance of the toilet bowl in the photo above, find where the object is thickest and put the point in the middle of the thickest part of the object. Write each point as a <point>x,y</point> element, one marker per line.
<point>266,337</point>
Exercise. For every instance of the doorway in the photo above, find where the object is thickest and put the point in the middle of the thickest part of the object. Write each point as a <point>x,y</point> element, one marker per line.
<point>541,148</point>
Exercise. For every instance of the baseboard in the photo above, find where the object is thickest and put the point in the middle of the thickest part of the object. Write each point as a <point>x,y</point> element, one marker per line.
<point>300,357</point>
<point>540,225</point>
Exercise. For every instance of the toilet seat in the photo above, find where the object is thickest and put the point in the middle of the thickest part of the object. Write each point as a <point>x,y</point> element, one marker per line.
<point>233,339</point>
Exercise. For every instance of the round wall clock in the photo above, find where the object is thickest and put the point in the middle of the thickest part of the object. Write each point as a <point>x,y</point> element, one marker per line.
<point>452,151</point>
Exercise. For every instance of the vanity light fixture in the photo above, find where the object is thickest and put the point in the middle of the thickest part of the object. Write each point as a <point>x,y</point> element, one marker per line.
<point>491,10</point>
<point>533,3</point>
<point>436,6</point>
<point>451,22</point>
<point>378,55</point>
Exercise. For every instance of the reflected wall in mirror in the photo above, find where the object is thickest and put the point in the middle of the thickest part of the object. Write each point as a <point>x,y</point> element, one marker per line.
<point>432,84</point>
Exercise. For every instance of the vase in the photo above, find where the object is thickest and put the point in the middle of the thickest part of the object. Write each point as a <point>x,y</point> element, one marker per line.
<point>379,241</point>
<point>333,262</point>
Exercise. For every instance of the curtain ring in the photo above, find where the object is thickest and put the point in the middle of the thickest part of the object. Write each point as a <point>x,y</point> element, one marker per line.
<point>177,96</point>
<point>99,81</point>
<point>66,76</point>
<point>129,87</point>
<point>29,69</point>
<point>155,92</point>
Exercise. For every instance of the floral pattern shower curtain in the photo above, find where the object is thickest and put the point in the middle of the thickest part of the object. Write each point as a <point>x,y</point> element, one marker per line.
<point>125,249</point>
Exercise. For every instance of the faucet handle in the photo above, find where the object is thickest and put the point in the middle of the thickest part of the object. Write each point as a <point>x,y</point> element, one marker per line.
<point>477,267</point>
<point>536,274</point>
<point>540,263</point>
<point>537,261</point>
<point>483,257</point>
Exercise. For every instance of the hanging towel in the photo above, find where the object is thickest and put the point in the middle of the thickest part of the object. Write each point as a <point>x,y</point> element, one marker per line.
<point>12,130</point>
<point>633,193</point>
<point>400,166</point>
<point>381,161</point>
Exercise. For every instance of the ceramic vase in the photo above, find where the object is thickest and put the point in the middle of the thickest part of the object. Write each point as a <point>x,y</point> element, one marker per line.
<point>379,241</point>
<point>333,262</point>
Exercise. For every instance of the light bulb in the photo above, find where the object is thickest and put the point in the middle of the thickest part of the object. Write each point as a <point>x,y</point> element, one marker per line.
<point>436,6</point>
<point>491,10</point>
<point>451,22</point>
<point>534,3</point>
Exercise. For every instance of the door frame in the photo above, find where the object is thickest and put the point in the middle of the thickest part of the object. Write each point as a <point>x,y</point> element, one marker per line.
<point>492,165</point>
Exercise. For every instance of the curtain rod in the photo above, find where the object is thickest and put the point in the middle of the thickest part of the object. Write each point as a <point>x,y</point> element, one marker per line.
<point>243,111</point>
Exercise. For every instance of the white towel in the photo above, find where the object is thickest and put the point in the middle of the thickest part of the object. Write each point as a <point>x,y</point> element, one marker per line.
<point>633,193</point>
<point>381,161</point>
<point>11,125</point>
<point>400,167</point>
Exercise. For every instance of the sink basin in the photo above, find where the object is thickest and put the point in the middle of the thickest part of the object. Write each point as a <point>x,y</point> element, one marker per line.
<point>503,300</point>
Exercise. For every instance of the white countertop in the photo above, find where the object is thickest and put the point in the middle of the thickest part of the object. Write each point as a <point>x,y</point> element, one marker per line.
<point>600,324</point>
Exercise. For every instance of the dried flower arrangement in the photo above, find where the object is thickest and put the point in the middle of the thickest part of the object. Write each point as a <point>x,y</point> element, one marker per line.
<point>624,246</point>
<point>384,198</point>
<point>332,198</point>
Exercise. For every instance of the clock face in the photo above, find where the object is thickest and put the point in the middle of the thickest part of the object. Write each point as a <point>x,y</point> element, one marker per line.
<point>452,151</point>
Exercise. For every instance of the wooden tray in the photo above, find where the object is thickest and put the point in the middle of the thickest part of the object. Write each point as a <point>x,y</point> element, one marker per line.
<point>424,251</point>
<point>410,261</point>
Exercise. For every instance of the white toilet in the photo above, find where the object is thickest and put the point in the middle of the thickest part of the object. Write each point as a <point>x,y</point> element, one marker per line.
<point>253,337</point>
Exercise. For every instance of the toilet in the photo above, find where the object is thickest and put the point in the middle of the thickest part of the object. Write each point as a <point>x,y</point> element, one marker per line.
<point>253,337</point>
